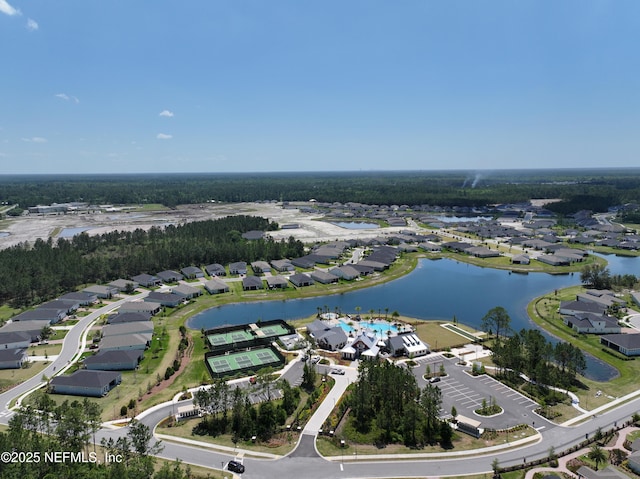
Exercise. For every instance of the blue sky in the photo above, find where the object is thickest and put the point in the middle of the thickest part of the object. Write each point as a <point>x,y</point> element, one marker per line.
<point>250,85</point>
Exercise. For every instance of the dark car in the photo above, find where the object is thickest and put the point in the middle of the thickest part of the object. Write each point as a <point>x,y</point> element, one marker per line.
<point>235,466</point>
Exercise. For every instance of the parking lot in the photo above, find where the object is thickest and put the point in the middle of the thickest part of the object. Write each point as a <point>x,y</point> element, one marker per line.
<point>467,393</point>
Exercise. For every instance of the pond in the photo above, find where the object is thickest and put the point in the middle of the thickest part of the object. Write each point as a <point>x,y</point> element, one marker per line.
<point>3,234</point>
<point>71,232</point>
<point>438,289</point>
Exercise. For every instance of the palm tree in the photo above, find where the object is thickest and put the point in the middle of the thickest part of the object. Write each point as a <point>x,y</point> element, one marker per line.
<point>597,455</point>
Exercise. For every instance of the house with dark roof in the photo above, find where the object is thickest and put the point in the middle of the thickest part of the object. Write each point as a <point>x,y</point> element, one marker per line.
<point>239,267</point>
<point>14,340</point>
<point>114,360</point>
<point>85,383</point>
<point>125,341</point>
<point>120,285</point>
<point>300,280</point>
<point>134,327</point>
<point>82,297</point>
<point>39,314</point>
<point>608,472</point>
<point>128,317</point>
<point>251,283</point>
<point>102,291</point>
<point>216,286</point>
<point>13,358</point>
<point>627,344</point>
<point>327,337</point>
<point>168,300</point>
<point>215,269</point>
<point>69,306</point>
<point>592,323</point>
<point>282,265</point>
<point>147,280</point>
<point>323,277</point>
<point>169,276</point>
<point>375,265</point>
<point>346,272</point>
<point>140,307</point>
<point>363,269</point>
<point>482,252</point>
<point>362,347</point>
<point>185,291</point>
<point>303,262</point>
<point>32,328</point>
<point>192,272</point>
<point>521,259</point>
<point>572,308</point>
<point>277,282</point>
<point>553,260</point>
<point>261,267</point>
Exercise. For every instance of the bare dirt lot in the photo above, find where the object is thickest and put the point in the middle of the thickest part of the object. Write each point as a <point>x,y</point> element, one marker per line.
<point>28,228</point>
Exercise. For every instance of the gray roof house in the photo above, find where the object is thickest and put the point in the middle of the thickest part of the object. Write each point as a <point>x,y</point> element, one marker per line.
<point>70,306</point>
<point>239,267</point>
<point>14,340</point>
<point>32,328</point>
<point>323,277</point>
<point>135,327</point>
<point>39,314</point>
<point>215,269</point>
<point>186,291</point>
<point>253,235</point>
<point>125,341</point>
<point>327,337</point>
<point>86,383</point>
<point>192,272</point>
<point>627,344</point>
<point>592,323</point>
<point>260,267</point>
<point>13,358</point>
<point>277,281</point>
<point>300,280</point>
<point>82,297</point>
<point>128,317</point>
<point>251,283</point>
<point>102,291</point>
<point>114,360</point>
<point>608,472</point>
<point>122,284</point>
<point>147,280</point>
<point>346,272</point>
<point>216,286</point>
<point>140,307</point>
<point>282,265</point>
<point>407,344</point>
<point>170,300</point>
<point>169,276</point>
<point>572,308</point>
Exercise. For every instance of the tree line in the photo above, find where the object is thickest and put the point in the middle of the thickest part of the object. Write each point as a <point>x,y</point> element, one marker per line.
<point>387,405</point>
<point>578,189</point>
<point>39,433</point>
<point>32,273</point>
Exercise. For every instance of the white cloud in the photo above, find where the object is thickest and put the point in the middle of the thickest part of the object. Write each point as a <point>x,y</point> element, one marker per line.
<point>66,97</point>
<point>164,136</point>
<point>8,9</point>
<point>167,113</point>
<point>32,25</point>
<point>34,139</point>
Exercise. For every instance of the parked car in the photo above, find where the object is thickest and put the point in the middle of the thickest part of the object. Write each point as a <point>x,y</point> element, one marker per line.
<point>315,359</point>
<point>435,379</point>
<point>235,466</point>
<point>338,371</point>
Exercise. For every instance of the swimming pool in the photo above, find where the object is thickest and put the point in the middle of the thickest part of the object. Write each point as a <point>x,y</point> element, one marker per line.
<point>380,328</point>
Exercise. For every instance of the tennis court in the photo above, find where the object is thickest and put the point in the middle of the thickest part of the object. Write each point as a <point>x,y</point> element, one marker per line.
<point>253,359</point>
<point>222,339</point>
<point>273,330</point>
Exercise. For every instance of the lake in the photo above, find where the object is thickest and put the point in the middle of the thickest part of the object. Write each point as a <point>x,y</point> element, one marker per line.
<point>436,289</point>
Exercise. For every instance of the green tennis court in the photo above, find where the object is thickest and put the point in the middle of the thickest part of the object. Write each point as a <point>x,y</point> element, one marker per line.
<point>255,358</point>
<point>231,337</point>
<point>274,330</point>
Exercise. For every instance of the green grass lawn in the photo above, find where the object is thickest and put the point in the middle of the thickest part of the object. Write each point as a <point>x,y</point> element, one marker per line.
<point>10,377</point>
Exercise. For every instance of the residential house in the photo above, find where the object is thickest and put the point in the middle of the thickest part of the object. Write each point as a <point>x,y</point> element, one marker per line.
<point>261,267</point>
<point>192,272</point>
<point>38,314</point>
<point>31,328</point>
<point>482,252</point>
<point>114,360</point>
<point>521,259</point>
<point>13,358</point>
<point>147,280</point>
<point>362,347</point>
<point>251,283</point>
<point>282,265</point>
<point>140,307</point>
<point>134,327</point>
<point>185,291</point>
<point>346,272</point>
<point>125,342</point>
<point>572,308</point>
<point>608,472</point>
<point>102,291</point>
<point>121,285</point>
<point>327,337</point>
<point>303,262</point>
<point>216,286</point>
<point>592,323</point>
<point>128,317</point>
<point>253,235</point>
<point>300,280</point>
<point>627,344</point>
<point>168,300</point>
<point>239,267</point>
<point>14,340</point>
<point>169,276</point>
<point>323,277</point>
<point>83,298</point>
<point>215,269</point>
<point>86,383</point>
<point>275,282</point>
